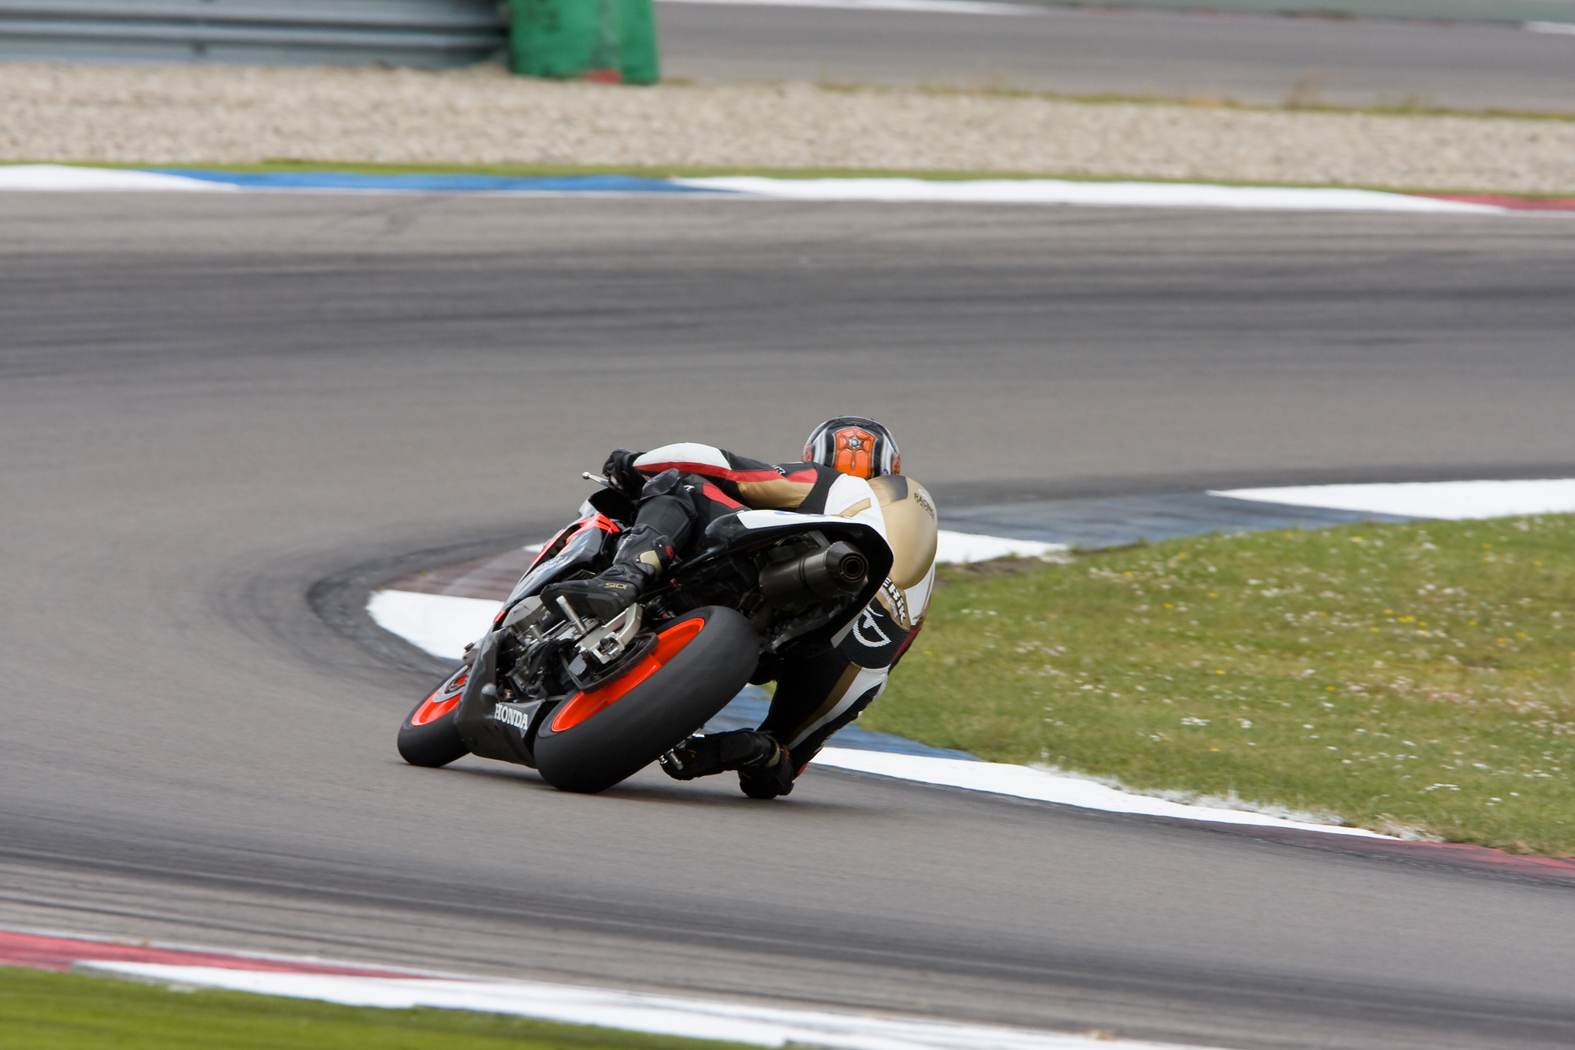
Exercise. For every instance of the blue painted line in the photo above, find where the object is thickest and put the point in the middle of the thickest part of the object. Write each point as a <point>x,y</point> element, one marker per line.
<point>1113,521</point>
<point>748,709</point>
<point>349,180</point>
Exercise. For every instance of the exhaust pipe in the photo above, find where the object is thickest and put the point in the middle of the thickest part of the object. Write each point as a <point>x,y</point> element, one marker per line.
<point>829,573</point>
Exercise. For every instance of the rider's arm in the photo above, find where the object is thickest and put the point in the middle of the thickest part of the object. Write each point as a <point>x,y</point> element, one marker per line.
<point>747,481</point>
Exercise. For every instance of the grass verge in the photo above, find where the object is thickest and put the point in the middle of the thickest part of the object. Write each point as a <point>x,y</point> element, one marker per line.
<point>1414,676</point>
<point>52,1011</point>
<point>1305,97</point>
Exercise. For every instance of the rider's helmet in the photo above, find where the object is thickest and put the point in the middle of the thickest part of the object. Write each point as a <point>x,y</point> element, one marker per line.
<point>854,445</point>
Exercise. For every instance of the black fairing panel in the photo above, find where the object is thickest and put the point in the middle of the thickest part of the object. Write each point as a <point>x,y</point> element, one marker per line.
<point>506,738</point>
<point>728,537</point>
<point>589,548</point>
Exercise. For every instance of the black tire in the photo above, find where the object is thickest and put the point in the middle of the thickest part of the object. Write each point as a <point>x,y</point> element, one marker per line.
<point>688,687</point>
<point>435,741</point>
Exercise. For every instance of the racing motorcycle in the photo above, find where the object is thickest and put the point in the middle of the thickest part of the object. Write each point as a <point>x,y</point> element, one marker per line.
<point>588,704</point>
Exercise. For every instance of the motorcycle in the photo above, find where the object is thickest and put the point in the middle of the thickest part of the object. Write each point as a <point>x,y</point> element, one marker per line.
<point>588,704</point>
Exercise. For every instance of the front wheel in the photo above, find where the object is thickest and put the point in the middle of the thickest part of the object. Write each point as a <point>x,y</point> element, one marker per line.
<point>598,738</point>
<point>428,735</point>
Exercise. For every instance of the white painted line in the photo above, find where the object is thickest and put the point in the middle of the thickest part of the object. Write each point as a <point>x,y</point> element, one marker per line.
<point>938,191</point>
<point>60,177</point>
<point>752,1024</point>
<point>943,7</point>
<point>1100,194</point>
<point>953,548</point>
<point>1555,28</point>
<point>999,778</point>
<point>442,624</point>
<point>1452,500</point>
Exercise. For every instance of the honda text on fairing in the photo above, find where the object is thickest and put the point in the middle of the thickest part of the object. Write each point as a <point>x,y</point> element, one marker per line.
<point>641,620</point>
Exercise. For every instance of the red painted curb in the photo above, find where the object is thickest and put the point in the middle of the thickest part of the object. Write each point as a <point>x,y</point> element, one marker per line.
<point>1513,203</point>
<point>1444,854</point>
<point>37,952</point>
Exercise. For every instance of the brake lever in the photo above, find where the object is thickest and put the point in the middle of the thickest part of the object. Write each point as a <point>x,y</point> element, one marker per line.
<point>588,476</point>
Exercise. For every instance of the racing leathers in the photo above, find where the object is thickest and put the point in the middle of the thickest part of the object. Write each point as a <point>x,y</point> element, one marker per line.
<point>685,487</point>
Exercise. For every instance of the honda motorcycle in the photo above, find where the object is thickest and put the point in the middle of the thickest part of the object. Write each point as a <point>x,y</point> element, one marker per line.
<point>588,704</point>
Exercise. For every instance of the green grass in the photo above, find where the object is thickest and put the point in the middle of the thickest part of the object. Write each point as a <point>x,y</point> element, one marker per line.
<point>51,1011</point>
<point>1398,676</point>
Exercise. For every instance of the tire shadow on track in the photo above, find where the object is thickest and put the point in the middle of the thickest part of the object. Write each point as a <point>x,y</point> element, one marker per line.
<point>646,788</point>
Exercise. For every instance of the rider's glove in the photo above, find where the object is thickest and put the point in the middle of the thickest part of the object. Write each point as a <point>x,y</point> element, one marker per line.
<point>620,470</point>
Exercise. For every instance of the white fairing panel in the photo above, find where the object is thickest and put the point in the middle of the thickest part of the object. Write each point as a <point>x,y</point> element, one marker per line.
<point>770,519</point>
<point>847,493</point>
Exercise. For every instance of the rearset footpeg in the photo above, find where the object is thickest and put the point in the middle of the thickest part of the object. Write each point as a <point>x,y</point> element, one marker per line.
<point>608,642</point>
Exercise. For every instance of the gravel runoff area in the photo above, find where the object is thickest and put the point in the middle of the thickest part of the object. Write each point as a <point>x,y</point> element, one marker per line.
<point>235,115</point>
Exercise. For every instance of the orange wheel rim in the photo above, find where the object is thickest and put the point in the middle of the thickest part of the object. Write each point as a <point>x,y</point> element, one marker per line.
<point>443,700</point>
<point>668,645</point>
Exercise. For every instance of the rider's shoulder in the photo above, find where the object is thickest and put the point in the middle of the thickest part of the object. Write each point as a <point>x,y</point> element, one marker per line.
<point>894,489</point>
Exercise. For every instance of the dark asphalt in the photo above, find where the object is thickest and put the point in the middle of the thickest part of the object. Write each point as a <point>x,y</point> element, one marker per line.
<point>208,405</point>
<point>1247,58</point>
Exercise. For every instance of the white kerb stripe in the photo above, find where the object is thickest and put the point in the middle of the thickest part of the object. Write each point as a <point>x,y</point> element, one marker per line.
<point>749,1023</point>
<point>60,177</point>
<point>1094,194</point>
<point>952,548</point>
<point>999,778</point>
<point>441,624</point>
<point>1454,500</point>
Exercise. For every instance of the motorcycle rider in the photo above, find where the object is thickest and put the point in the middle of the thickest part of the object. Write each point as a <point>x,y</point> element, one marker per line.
<point>851,468</point>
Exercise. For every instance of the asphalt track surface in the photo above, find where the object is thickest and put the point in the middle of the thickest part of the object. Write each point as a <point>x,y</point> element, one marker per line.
<point>216,410</point>
<point>1247,58</point>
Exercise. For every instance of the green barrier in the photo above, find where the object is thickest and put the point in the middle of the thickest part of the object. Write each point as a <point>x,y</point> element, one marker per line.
<point>607,40</point>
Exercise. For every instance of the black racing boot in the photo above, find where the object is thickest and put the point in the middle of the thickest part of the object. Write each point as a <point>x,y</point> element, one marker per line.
<point>604,596</point>
<point>703,756</point>
<point>642,554</point>
<point>770,779</point>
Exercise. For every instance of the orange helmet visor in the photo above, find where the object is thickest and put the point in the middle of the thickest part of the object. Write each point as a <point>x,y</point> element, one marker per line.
<point>854,452</point>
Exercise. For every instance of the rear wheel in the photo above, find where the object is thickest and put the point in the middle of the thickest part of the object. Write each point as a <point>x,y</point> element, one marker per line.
<point>428,735</point>
<point>598,738</point>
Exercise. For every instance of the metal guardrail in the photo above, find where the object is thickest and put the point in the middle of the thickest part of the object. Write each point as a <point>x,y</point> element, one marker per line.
<point>1532,11</point>
<point>421,33</point>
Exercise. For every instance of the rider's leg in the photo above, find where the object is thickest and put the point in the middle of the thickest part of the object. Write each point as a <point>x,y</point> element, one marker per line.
<point>818,696</point>
<point>814,699</point>
<point>674,510</point>
<point>741,749</point>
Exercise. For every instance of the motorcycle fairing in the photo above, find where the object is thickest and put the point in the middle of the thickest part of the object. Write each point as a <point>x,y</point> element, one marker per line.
<point>505,731</point>
<point>490,728</point>
<point>759,520</point>
<point>588,543</point>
